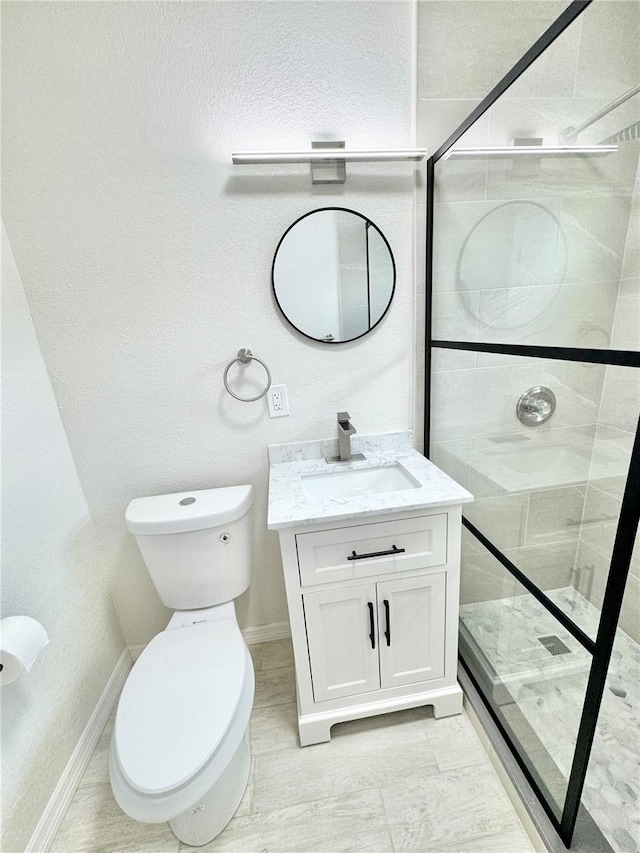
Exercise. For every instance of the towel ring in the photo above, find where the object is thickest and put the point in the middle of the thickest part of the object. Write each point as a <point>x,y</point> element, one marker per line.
<point>244,357</point>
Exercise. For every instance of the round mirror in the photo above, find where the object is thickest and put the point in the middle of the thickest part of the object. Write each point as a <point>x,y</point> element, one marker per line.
<point>333,275</point>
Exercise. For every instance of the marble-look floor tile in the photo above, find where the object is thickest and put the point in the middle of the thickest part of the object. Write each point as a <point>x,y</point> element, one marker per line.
<point>277,653</point>
<point>465,804</point>
<point>96,823</point>
<point>322,799</point>
<point>274,727</point>
<point>255,650</point>
<point>455,743</point>
<point>333,825</point>
<point>368,759</point>
<point>514,841</point>
<point>274,687</point>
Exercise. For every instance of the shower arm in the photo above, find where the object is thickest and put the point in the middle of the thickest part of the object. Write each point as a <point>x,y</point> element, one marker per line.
<point>570,134</point>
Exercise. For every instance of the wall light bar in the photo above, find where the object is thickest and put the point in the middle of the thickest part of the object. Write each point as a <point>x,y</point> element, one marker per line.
<point>322,155</point>
<point>328,158</point>
<point>509,151</point>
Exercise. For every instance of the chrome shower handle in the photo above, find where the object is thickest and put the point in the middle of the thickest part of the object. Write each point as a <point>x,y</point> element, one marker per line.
<point>536,406</point>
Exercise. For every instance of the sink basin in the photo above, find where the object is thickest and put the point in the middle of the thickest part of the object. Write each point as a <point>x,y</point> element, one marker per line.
<point>360,481</point>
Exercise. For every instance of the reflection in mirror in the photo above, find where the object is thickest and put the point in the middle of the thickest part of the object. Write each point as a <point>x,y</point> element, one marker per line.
<point>333,275</point>
<point>515,245</point>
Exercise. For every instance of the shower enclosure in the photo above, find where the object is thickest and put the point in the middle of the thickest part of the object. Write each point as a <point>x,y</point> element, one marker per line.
<point>532,373</point>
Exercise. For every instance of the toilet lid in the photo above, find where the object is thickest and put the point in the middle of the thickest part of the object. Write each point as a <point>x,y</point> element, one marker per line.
<point>178,703</point>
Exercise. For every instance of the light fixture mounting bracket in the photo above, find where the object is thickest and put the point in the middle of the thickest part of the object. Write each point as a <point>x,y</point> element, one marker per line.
<point>328,171</point>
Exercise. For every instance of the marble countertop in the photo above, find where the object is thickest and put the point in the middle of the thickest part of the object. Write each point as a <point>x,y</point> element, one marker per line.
<point>291,505</point>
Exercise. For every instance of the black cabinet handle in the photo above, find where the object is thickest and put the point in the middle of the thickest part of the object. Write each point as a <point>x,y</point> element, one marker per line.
<point>387,632</point>
<point>393,550</point>
<point>372,635</point>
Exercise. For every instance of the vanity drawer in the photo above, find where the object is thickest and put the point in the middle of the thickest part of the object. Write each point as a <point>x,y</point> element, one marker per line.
<point>347,553</point>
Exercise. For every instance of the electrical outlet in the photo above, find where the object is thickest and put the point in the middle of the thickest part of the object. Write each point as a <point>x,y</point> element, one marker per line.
<point>278,402</point>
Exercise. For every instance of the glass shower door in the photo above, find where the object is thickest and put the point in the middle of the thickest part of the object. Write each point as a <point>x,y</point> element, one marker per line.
<point>534,290</point>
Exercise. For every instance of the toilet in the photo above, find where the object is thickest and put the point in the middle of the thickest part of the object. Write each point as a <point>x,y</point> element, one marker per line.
<point>180,744</point>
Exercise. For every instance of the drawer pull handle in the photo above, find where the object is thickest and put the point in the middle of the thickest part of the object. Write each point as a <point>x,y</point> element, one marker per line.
<point>393,550</point>
<point>387,632</point>
<point>372,635</point>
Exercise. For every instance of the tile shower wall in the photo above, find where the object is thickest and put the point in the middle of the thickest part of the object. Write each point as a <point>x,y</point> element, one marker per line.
<point>474,395</point>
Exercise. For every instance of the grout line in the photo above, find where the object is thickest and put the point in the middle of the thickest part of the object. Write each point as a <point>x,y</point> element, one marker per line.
<point>525,535</point>
<point>275,668</point>
<point>329,796</point>
<point>386,820</point>
<point>547,197</point>
<point>486,177</point>
<point>545,545</point>
<point>527,361</point>
<point>579,24</point>
<point>539,100</point>
<point>602,491</point>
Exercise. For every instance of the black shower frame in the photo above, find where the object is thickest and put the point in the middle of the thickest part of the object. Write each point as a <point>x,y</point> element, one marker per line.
<point>629,518</point>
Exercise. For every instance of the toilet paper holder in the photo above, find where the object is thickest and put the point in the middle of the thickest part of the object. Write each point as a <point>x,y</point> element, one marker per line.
<point>22,640</point>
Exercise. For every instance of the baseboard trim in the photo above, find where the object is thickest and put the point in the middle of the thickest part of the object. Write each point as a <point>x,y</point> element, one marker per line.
<point>136,650</point>
<point>59,802</point>
<point>267,633</point>
<point>252,636</point>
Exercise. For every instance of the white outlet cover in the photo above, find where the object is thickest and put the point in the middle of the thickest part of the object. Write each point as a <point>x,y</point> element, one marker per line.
<point>278,401</point>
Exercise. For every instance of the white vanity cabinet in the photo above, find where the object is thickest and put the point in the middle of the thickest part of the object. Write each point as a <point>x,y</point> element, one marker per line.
<point>373,606</point>
<point>369,636</point>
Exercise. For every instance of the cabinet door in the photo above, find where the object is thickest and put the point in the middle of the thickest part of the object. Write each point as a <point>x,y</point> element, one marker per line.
<point>339,624</point>
<point>411,612</point>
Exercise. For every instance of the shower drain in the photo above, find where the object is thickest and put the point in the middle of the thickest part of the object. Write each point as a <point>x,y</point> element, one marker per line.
<point>554,645</point>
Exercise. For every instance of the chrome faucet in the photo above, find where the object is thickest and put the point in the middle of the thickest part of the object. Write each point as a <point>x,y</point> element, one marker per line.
<point>345,431</point>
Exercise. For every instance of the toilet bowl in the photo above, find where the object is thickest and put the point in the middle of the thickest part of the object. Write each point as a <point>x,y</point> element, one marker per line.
<point>180,744</point>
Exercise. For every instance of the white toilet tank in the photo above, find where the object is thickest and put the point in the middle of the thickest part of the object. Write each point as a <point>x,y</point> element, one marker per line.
<point>196,545</point>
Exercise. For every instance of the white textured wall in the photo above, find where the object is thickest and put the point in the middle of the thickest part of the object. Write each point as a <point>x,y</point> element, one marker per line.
<point>51,570</point>
<point>146,256</point>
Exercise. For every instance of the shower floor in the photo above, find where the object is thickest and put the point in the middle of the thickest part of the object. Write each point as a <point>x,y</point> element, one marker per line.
<point>527,680</point>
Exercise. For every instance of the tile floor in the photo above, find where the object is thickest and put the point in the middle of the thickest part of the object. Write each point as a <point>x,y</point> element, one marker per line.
<point>404,781</point>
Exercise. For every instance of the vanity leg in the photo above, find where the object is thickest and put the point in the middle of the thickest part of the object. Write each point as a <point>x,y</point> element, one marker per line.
<point>313,731</point>
<point>446,706</point>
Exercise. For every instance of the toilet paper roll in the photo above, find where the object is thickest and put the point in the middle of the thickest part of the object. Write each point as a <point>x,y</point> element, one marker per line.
<point>21,641</point>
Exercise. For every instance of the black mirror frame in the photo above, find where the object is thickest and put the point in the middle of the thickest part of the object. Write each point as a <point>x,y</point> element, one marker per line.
<point>393,264</point>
